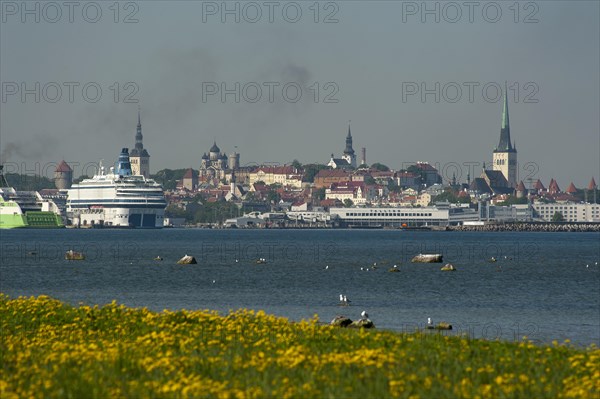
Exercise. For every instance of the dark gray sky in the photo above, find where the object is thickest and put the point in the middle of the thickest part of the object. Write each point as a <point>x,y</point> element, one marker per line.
<point>370,62</point>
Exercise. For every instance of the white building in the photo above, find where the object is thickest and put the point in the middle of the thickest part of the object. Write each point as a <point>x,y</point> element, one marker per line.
<point>571,212</point>
<point>287,176</point>
<point>402,217</point>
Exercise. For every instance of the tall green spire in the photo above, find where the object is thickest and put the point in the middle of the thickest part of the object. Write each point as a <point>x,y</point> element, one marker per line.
<point>505,144</point>
<point>505,121</point>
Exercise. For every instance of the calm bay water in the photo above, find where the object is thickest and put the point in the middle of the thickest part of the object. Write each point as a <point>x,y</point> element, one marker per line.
<point>539,287</point>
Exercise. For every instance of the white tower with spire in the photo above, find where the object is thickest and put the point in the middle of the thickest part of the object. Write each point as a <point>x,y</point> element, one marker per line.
<point>139,157</point>
<point>505,154</point>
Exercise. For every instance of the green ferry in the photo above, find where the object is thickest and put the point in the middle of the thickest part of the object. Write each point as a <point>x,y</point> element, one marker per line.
<point>11,215</point>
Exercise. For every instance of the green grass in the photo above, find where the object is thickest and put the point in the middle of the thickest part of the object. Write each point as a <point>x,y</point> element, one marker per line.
<point>51,349</point>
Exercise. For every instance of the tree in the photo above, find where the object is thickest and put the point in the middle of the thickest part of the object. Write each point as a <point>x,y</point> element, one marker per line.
<point>363,166</point>
<point>168,177</point>
<point>414,169</point>
<point>173,211</point>
<point>273,196</point>
<point>558,217</point>
<point>28,182</point>
<point>311,170</point>
<point>348,203</point>
<point>319,194</point>
<point>369,180</point>
<point>380,167</point>
<point>296,164</point>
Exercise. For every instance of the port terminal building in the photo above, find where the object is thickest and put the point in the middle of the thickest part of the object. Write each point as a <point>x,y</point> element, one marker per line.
<point>402,217</point>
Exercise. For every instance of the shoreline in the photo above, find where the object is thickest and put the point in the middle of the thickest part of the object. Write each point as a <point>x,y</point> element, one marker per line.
<point>135,352</point>
<point>506,227</point>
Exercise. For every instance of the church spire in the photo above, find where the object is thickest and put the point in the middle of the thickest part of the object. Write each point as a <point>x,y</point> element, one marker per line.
<point>138,135</point>
<point>505,144</point>
<point>349,150</point>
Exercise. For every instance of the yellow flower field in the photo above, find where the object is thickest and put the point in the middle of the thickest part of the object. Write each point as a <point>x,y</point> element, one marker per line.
<point>51,349</point>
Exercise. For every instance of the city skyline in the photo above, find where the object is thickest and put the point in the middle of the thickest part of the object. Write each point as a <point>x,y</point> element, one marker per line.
<point>368,61</point>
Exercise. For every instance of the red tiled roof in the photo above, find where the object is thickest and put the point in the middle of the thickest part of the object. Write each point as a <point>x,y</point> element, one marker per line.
<point>553,187</point>
<point>63,167</point>
<point>425,166</point>
<point>330,202</point>
<point>592,185</point>
<point>190,174</point>
<point>538,185</point>
<point>324,173</point>
<point>571,189</point>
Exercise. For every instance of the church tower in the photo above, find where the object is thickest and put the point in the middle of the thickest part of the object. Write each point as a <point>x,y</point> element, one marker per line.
<point>349,151</point>
<point>505,154</point>
<point>139,157</point>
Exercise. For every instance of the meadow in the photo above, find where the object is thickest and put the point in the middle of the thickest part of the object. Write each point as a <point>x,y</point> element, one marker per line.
<point>49,349</point>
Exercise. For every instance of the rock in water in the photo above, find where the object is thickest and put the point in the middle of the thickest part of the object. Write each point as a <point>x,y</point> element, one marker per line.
<point>362,323</point>
<point>448,268</point>
<point>187,260</point>
<point>427,258</point>
<point>341,321</point>
<point>72,255</point>
<point>443,326</point>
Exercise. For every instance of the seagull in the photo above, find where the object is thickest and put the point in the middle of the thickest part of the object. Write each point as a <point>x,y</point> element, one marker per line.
<point>237,260</point>
<point>326,267</point>
<point>214,281</point>
<point>346,300</point>
<point>587,266</point>
<point>429,322</point>
<point>362,268</point>
<point>364,314</point>
<point>341,298</point>
<point>395,266</point>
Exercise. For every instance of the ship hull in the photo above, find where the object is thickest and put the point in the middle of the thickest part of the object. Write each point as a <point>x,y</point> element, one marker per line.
<point>11,215</point>
<point>12,221</point>
<point>139,218</point>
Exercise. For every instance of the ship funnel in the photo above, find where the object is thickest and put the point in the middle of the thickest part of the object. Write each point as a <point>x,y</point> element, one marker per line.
<point>123,166</point>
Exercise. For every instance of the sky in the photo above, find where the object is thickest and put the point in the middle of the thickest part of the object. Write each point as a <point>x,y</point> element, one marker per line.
<point>278,81</point>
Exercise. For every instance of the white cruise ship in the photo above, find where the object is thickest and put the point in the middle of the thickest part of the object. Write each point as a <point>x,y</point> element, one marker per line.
<point>117,199</point>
